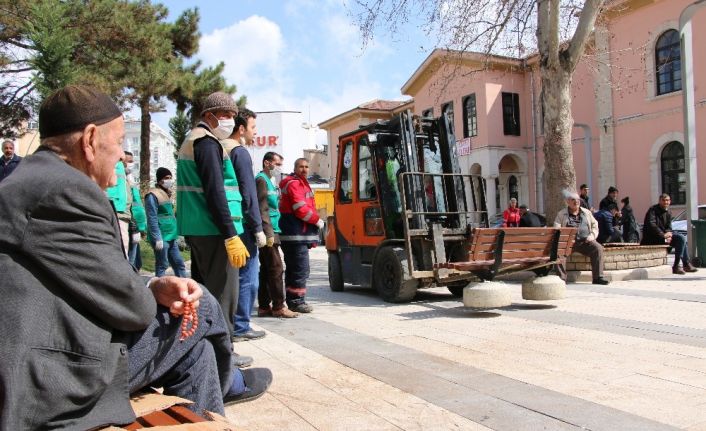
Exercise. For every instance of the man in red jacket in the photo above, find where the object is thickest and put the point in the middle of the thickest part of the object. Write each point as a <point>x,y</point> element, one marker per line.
<point>300,224</point>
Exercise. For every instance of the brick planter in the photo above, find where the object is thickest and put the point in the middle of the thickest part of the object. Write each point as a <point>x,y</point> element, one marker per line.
<point>617,257</point>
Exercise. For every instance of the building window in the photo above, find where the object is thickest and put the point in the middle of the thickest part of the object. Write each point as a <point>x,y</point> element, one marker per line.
<point>511,114</point>
<point>673,172</point>
<point>668,63</point>
<point>447,109</point>
<point>470,116</point>
<point>428,113</point>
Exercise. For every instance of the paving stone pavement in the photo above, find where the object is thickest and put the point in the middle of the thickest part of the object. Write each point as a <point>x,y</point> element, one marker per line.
<point>628,356</point>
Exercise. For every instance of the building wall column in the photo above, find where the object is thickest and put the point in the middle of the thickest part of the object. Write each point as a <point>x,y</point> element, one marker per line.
<point>490,195</point>
<point>604,111</point>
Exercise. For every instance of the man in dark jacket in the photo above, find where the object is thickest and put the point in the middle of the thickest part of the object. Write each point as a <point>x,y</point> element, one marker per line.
<point>9,160</point>
<point>585,199</point>
<point>657,229</point>
<point>530,219</point>
<point>252,236</point>
<point>606,225</point>
<point>87,331</point>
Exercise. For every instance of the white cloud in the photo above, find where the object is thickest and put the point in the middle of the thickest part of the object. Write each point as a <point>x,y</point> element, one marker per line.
<point>251,49</point>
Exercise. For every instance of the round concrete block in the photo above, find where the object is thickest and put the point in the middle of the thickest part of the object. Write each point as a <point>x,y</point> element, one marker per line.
<point>545,288</point>
<point>489,294</point>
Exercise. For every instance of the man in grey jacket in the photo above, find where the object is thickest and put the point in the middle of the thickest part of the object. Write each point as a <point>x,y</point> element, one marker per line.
<point>582,219</point>
<point>86,330</point>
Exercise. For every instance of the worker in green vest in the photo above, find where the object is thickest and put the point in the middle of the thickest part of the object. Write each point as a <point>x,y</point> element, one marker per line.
<point>270,295</point>
<point>162,226</point>
<point>208,203</point>
<point>138,224</point>
<point>119,196</point>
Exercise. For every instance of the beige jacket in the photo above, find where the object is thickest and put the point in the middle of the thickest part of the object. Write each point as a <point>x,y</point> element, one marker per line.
<point>562,218</point>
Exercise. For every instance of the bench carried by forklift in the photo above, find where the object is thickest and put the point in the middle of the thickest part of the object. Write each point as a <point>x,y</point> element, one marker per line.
<point>405,217</point>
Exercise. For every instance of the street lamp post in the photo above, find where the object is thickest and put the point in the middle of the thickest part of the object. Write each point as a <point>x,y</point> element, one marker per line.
<point>687,70</point>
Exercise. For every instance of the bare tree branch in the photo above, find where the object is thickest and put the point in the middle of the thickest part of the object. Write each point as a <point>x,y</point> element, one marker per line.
<point>590,12</point>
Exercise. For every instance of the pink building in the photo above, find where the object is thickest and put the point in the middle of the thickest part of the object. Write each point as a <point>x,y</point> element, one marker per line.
<point>627,110</point>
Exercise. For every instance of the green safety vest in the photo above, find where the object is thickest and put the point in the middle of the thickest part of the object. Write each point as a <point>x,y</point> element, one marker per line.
<point>138,210</point>
<point>272,201</point>
<point>118,193</point>
<point>193,216</point>
<point>165,215</point>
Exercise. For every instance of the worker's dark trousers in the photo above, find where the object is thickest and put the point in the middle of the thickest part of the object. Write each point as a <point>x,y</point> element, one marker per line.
<point>271,285</point>
<point>296,261</point>
<point>594,251</point>
<point>219,276</point>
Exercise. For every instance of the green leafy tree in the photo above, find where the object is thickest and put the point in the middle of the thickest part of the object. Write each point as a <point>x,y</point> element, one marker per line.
<point>179,127</point>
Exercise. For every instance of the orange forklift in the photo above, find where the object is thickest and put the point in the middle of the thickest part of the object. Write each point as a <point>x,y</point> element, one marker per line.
<point>402,209</point>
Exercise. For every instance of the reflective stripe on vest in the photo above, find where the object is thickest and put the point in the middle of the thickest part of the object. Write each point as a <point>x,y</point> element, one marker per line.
<point>165,215</point>
<point>193,215</point>
<point>272,201</point>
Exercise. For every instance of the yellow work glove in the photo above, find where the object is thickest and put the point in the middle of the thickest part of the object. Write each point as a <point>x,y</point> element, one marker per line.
<point>270,241</point>
<point>237,253</point>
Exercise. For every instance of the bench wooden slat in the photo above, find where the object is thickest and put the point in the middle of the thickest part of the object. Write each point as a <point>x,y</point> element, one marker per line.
<point>521,248</point>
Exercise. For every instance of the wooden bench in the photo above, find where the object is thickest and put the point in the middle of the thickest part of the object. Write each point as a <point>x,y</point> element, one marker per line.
<point>501,250</point>
<point>154,410</point>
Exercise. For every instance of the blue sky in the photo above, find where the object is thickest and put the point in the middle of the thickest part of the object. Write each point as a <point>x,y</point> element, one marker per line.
<point>301,55</point>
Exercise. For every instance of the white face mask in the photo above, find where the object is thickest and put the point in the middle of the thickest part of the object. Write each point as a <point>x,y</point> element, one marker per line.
<point>225,128</point>
<point>167,184</point>
<point>276,172</point>
<point>130,166</point>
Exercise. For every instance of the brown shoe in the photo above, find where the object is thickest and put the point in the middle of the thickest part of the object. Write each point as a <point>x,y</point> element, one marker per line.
<point>689,268</point>
<point>264,312</point>
<point>284,312</point>
<point>677,270</point>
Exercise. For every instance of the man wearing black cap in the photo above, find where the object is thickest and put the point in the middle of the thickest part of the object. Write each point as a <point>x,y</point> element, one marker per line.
<point>162,226</point>
<point>87,331</point>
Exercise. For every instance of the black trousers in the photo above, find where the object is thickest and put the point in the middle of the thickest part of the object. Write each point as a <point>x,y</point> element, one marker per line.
<point>296,273</point>
<point>271,289</point>
<point>218,275</point>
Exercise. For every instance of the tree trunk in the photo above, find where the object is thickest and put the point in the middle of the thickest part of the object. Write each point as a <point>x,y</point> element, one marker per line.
<point>558,155</point>
<point>145,156</point>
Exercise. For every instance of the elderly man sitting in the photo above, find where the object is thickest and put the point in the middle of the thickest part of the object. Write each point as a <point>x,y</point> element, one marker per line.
<point>582,219</point>
<point>86,330</point>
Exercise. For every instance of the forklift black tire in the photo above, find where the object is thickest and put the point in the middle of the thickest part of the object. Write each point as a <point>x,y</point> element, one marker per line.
<point>335,272</point>
<point>456,289</point>
<point>391,276</point>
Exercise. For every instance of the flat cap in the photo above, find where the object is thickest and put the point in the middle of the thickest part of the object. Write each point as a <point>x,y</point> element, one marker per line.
<point>219,101</point>
<point>74,107</point>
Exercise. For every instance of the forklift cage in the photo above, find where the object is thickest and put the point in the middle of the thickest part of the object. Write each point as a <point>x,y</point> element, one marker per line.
<point>418,221</point>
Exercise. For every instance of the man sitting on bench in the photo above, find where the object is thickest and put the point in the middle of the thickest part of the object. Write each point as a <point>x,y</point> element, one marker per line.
<point>582,219</point>
<point>83,330</point>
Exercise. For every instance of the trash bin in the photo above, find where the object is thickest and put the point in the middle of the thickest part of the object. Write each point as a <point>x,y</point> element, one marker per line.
<point>700,238</point>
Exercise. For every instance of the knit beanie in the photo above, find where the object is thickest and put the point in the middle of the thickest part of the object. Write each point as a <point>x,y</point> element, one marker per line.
<point>74,107</point>
<point>219,101</point>
<point>162,172</point>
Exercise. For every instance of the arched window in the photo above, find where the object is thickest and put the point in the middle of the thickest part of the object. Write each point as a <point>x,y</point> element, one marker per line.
<point>673,172</point>
<point>512,187</point>
<point>668,63</point>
